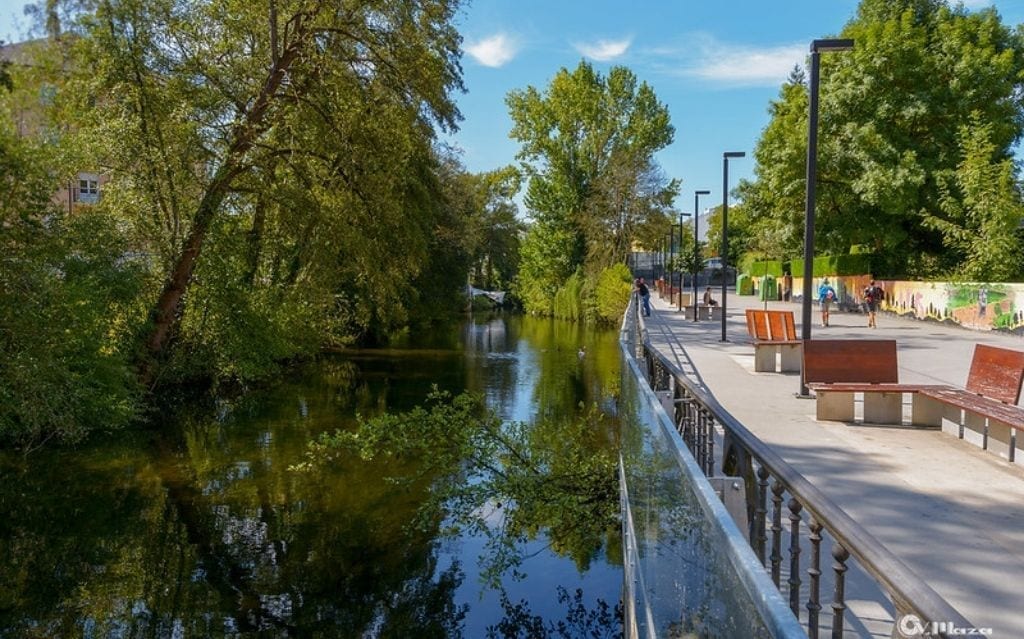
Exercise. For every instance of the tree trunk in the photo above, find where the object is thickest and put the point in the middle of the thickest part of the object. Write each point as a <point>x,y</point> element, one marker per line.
<point>166,313</point>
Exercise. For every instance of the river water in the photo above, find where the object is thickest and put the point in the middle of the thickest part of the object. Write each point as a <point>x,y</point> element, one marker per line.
<point>203,528</point>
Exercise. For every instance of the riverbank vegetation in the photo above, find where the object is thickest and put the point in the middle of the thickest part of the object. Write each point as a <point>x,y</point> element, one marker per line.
<point>258,186</point>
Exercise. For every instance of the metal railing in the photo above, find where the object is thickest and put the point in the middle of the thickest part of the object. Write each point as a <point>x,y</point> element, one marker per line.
<point>687,567</point>
<point>775,490</point>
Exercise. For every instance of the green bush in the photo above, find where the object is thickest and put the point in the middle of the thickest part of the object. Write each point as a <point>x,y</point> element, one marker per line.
<point>614,286</point>
<point>568,303</point>
<point>856,264</point>
<point>67,301</point>
<point>775,268</point>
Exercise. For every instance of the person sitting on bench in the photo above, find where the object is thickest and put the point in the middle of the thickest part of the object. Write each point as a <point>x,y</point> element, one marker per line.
<point>708,300</point>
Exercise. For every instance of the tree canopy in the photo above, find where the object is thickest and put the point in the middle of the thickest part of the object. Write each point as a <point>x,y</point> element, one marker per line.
<point>892,113</point>
<point>271,185</point>
<point>587,151</point>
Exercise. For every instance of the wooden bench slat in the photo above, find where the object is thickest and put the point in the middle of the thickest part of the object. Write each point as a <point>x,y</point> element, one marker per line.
<point>1008,414</point>
<point>855,387</point>
<point>790,326</point>
<point>996,373</point>
<point>858,361</point>
<point>776,327</point>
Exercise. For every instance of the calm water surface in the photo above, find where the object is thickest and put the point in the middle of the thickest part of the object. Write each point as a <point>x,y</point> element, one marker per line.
<point>201,529</point>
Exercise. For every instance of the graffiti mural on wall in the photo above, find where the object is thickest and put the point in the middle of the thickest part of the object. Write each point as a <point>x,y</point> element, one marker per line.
<point>974,305</point>
<point>979,306</point>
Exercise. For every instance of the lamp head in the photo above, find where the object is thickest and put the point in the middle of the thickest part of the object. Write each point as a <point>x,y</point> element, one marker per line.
<point>703,193</point>
<point>843,44</point>
<point>734,154</point>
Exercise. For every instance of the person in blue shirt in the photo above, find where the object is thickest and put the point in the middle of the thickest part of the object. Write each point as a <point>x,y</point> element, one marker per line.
<point>826,297</point>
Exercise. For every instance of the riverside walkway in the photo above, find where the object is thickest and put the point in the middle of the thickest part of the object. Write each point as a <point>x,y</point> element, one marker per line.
<point>951,511</point>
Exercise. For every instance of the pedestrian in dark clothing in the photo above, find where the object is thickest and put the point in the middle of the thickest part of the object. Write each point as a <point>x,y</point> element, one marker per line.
<point>873,295</point>
<point>645,296</point>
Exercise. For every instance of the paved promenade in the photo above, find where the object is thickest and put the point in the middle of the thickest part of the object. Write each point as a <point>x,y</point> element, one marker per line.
<point>953,512</point>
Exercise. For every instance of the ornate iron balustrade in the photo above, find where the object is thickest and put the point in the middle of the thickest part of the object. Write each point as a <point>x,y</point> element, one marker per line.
<point>775,492</point>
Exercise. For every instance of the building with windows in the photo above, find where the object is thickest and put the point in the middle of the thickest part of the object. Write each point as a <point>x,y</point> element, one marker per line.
<point>27,115</point>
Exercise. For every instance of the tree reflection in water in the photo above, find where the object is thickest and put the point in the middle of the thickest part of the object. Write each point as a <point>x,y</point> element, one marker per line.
<point>504,481</point>
<point>199,529</point>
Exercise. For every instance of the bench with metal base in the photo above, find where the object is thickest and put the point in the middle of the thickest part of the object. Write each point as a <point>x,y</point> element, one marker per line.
<point>986,409</point>
<point>773,333</point>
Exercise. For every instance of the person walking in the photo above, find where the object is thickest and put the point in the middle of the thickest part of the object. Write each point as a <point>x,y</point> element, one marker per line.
<point>645,296</point>
<point>873,295</point>
<point>826,297</point>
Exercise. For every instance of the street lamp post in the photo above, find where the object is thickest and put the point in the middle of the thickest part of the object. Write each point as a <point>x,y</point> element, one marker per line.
<point>681,216</point>
<point>674,248</point>
<point>725,227</point>
<point>817,46</point>
<point>697,262</point>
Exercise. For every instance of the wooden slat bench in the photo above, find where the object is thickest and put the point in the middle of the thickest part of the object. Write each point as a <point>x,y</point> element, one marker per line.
<point>836,369</point>
<point>773,332</point>
<point>985,409</point>
<point>988,401</point>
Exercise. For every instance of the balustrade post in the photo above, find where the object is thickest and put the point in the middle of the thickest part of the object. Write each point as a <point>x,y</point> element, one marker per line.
<point>698,448</point>
<point>814,572</point>
<point>777,490</point>
<point>761,513</point>
<point>794,556</point>
<point>840,554</point>
<point>710,468</point>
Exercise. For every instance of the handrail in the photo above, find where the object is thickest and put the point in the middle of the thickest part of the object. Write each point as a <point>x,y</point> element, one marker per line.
<point>909,593</point>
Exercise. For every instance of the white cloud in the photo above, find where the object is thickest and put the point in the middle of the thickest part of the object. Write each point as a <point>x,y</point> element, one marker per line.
<point>493,51</point>
<point>735,64</point>
<point>603,50</point>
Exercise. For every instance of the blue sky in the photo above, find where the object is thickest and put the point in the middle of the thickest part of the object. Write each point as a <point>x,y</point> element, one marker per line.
<point>715,64</point>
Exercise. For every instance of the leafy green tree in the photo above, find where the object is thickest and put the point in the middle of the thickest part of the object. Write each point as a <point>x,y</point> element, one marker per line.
<point>215,103</point>
<point>891,111</point>
<point>742,228</point>
<point>778,190</point>
<point>493,231</point>
<point>982,209</point>
<point>63,298</point>
<point>587,151</point>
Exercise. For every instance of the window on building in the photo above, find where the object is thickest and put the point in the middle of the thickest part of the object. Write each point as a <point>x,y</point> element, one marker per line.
<point>88,191</point>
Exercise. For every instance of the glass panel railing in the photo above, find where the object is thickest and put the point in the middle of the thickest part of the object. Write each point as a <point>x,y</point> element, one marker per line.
<point>689,571</point>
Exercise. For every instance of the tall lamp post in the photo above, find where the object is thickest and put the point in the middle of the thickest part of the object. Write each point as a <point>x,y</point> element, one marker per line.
<point>668,264</point>
<point>817,47</point>
<point>725,227</point>
<point>674,247</point>
<point>681,216</point>
<point>697,262</point>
